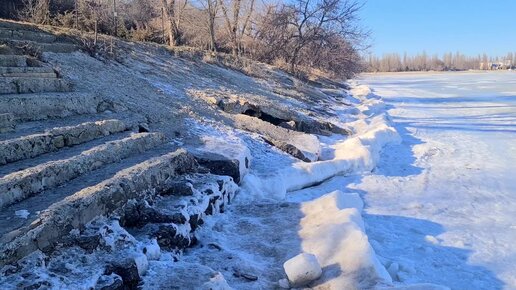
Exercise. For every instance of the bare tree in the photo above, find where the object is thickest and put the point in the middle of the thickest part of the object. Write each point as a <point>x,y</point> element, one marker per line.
<point>236,24</point>
<point>36,11</point>
<point>172,12</point>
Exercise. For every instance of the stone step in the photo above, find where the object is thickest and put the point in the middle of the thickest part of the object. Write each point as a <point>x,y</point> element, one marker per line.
<point>11,60</point>
<point>63,153</point>
<point>22,184</point>
<point>157,223</point>
<point>28,85</point>
<point>21,46</point>
<point>38,72</point>
<point>130,119</point>
<point>54,139</point>
<point>22,34</point>
<point>77,210</point>
<point>39,202</point>
<point>41,106</point>
<point>7,123</point>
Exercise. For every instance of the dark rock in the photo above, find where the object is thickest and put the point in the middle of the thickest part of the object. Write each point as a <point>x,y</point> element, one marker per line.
<point>143,128</point>
<point>88,243</point>
<point>178,188</point>
<point>291,125</point>
<point>220,165</point>
<point>288,148</point>
<point>167,237</point>
<point>140,214</point>
<point>195,221</point>
<point>110,282</point>
<point>127,270</point>
<point>246,276</point>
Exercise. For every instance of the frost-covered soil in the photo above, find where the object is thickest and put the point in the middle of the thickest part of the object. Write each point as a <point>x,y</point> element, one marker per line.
<point>441,206</point>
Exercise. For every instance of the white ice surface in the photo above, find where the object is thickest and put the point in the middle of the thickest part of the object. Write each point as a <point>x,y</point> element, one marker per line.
<point>442,204</point>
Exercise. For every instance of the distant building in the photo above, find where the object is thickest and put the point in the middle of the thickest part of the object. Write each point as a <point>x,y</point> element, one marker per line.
<point>504,64</point>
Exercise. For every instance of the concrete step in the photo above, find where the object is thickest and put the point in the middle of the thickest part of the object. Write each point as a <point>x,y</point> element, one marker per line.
<point>27,45</point>
<point>54,139</point>
<point>11,60</point>
<point>130,119</point>
<point>27,85</point>
<point>7,123</point>
<point>22,184</point>
<point>41,106</point>
<point>22,34</point>
<point>35,72</point>
<point>37,203</point>
<point>77,210</point>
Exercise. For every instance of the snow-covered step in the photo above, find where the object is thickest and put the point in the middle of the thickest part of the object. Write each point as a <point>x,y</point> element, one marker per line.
<point>54,139</point>
<point>41,72</point>
<point>180,208</point>
<point>11,60</point>
<point>27,85</point>
<point>22,184</point>
<point>40,106</point>
<point>75,211</point>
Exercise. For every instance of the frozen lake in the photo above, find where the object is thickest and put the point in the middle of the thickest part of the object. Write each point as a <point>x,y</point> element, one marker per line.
<point>441,207</point>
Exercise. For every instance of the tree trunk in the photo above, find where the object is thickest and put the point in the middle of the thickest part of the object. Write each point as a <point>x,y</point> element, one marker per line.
<point>173,33</point>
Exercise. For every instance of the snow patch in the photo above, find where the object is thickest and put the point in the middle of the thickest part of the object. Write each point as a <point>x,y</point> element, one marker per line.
<point>357,154</point>
<point>22,213</point>
<point>336,236</point>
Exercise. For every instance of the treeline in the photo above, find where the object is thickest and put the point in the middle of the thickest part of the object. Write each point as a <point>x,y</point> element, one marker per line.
<point>297,35</point>
<point>393,62</point>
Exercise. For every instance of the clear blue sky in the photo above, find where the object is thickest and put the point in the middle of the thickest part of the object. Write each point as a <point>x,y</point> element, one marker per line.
<point>439,26</point>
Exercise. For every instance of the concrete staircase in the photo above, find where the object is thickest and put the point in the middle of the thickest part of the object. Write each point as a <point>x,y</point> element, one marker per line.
<point>64,162</point>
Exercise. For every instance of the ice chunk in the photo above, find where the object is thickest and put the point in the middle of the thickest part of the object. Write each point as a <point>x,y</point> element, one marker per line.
<point>217,282</point>
<point>302,269</point>
<point>284,284</point>
<point>142,264</point>
<point>22,213</point>
<point>152,250</point>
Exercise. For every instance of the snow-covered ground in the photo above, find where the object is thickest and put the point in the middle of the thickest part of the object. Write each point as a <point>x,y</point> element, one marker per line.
<point>441,207</point>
